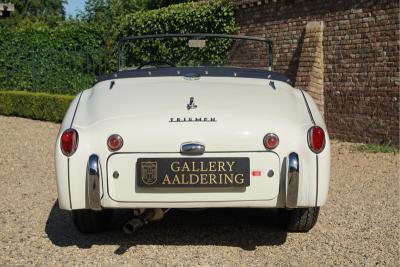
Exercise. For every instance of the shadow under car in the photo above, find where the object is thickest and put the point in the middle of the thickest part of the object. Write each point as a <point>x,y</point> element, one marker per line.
<point>244,228</point>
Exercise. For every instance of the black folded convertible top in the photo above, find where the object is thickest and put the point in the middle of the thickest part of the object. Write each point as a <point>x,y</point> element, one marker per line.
<point>196,72</point>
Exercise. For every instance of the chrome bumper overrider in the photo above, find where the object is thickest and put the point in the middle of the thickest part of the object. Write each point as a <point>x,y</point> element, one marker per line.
<point>292,180</point>
<point>93,183</point>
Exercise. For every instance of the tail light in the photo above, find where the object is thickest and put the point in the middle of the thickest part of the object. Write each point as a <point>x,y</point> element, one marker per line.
<point>271,141</point>
<point>316,139</point>
<point>69,142</point>
<point>115,142</point>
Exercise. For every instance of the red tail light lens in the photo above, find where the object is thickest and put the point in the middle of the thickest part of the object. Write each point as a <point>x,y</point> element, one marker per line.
<point>316,139</point>
<point>271,141</point>
<point>115,142</point>
<point>69,142</point>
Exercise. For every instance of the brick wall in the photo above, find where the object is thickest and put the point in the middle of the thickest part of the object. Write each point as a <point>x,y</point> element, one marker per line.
<point>310,71</point>
<point>360,58</point>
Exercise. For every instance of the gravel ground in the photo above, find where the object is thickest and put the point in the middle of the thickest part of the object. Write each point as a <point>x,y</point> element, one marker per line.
<point>358,226</point>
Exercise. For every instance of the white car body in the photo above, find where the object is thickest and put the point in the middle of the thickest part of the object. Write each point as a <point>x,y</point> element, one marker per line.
<point>145,111</point>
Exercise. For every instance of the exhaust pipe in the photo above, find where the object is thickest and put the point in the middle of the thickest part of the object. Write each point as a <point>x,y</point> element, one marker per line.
<point>133,225</point>
<point>145,216</point>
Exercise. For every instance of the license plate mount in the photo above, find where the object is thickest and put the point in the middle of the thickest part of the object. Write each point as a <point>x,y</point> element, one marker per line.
<point>193,172</point>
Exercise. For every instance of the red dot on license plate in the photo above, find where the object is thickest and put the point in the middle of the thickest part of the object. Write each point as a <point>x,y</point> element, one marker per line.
<point>256,173</point>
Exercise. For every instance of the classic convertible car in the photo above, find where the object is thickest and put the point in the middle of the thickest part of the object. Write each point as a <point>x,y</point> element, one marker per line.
<point>192,121</point>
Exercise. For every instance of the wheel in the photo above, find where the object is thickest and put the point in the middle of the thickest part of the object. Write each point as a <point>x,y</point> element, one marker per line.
<point>90,221</point>
<point>300,219</point>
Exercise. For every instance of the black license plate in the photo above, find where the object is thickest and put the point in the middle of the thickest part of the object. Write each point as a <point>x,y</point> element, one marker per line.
<point>193,172</point>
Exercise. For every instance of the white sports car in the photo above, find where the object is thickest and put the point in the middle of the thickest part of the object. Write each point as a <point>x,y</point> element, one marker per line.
<point>187,123</point>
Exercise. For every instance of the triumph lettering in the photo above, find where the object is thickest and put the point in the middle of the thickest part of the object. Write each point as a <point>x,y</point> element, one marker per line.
<point>190,119</point>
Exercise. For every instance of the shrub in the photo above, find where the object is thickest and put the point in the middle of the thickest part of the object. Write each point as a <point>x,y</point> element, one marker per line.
<point>193,17</point>
<point>204,17</point>
<point>64,35</point>
<point>39,106</point>
<point>65,59</point>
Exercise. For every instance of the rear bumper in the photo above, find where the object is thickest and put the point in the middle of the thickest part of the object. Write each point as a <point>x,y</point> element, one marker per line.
<point>93,196</point>
<point>96,199</point>
<point>292,184</point>
<point>108,203</point>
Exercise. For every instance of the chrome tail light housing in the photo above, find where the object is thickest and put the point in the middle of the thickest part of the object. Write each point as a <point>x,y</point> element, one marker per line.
<point>115,142</point>
<point>69,142</point>
<point>316,139</point>
<point>271,141</point>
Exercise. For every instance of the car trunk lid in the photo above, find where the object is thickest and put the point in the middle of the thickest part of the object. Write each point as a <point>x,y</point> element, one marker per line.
<point>227,114</point>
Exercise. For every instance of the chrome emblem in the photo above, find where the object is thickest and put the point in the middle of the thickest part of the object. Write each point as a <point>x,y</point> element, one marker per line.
<point>149,172</point>
<point>191,104</point>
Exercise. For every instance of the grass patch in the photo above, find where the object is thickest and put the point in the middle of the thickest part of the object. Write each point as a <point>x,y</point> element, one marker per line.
<point>38,106</point>
<point>372,148</point>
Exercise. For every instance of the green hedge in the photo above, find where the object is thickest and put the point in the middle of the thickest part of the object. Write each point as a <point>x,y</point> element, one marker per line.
<point>194,17</point>
<point>39,106</point>
<point>66,34</point>
<point>217,16</point>
<point>61,60</point>
<point>65,59</point>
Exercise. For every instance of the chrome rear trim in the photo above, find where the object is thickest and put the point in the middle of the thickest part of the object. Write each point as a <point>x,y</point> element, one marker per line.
<point>292,180</point>
<point>192,148</point>
<point>93,183</point>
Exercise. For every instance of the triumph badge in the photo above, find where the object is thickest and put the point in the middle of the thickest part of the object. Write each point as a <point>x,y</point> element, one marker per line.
<point>149,172</point>
<point>191,104</point>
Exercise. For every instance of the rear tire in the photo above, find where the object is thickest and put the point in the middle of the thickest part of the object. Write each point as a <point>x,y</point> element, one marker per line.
<point>90,221</point>
<point>299,219</point>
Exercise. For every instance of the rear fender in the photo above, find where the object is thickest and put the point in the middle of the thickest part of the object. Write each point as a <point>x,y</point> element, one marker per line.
<point>323,159</point>
<point>61,161</point>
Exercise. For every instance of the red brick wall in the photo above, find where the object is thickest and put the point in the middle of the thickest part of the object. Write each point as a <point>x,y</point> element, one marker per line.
<point>310,71</point>
<point>360,55</point>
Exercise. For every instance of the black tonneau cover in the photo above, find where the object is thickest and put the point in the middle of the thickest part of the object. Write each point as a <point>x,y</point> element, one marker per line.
<point>196,72</point>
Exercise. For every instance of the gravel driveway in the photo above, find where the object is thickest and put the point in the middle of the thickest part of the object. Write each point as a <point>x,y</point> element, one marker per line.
<point>358,226</point>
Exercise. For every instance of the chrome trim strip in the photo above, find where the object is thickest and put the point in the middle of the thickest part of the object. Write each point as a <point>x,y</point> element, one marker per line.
<point>69,186</point>
<point>292,180</point>
<point>76,109</point>
<point>308,108</point>
<point>93,183</point>
<point>192,148</point>
<point>316,193</point>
